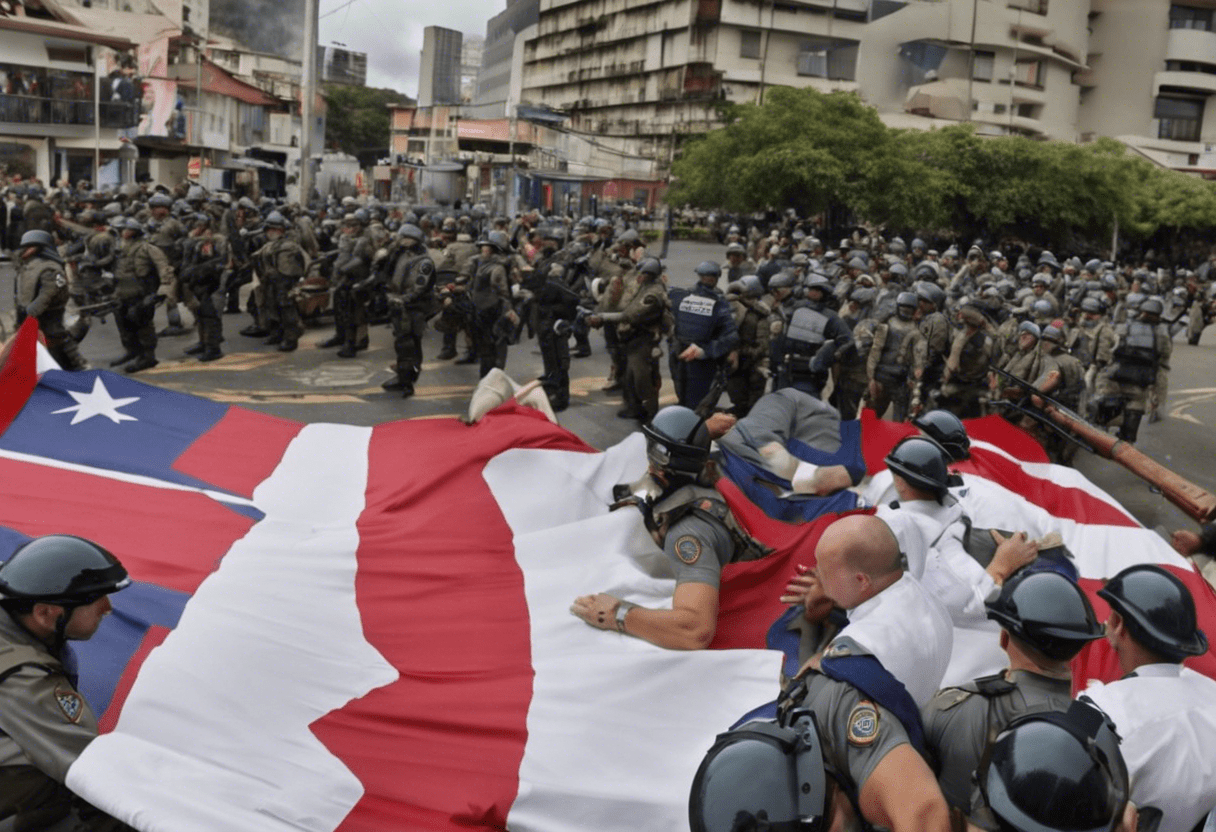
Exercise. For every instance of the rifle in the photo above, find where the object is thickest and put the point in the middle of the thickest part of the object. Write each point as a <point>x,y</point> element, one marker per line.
<point>100,309</point>
<point>1196,502</point>
<point>705,408</point>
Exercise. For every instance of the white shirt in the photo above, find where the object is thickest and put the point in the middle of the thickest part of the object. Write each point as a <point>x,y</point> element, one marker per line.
<point>909,632</point>
<point>1166,718</point>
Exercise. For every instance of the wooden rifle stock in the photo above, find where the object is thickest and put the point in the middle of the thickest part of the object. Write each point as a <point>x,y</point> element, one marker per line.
<point>1197,502</point>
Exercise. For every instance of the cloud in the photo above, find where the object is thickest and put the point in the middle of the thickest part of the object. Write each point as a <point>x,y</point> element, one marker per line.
<point>390,32</point>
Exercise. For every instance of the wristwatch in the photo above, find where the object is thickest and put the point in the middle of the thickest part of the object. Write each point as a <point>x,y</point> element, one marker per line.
<point>622,609</point>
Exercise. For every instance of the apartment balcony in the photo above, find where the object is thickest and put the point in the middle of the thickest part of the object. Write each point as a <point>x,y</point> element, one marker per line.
<point>36,110</point>
<point>1192,45</point>
<point>1203,83</point>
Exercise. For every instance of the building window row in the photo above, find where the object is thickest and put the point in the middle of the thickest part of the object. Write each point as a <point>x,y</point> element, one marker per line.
<point>1179,119</point>
<point>1190,17</point>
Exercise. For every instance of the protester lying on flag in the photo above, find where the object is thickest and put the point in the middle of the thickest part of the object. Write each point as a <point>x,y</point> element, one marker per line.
<point>497,388</point>
<point>948,571</point>
<point>1045,620</point>
<point>53,590</point>
<point>867,688</point>
<point>793,457</point>
<point>1055,772</point>
<point>1161,710</point>
<point>692,522</point>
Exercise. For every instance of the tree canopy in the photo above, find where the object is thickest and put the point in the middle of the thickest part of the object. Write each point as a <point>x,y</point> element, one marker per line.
<point>357,118</point>
<point>812,151</point>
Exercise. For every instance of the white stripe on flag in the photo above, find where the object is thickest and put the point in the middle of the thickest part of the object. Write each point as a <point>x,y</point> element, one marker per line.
<point>215,732</point>
<point>617,726</point>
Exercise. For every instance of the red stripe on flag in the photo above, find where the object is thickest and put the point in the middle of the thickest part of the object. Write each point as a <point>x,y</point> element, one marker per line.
<point>240,450</point>
<point>879,436</point>
<point>18,371</point>
<point>152,639</point>
<point>442,598</point>
<point>142,525</point>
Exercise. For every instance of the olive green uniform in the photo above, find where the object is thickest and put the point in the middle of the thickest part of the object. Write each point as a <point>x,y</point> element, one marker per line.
<point>42,293</point>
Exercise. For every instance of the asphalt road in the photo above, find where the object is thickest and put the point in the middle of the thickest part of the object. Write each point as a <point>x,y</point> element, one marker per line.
<point>314,385</point>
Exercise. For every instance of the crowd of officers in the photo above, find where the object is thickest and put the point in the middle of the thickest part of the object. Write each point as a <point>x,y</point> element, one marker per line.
<point>898,327</point>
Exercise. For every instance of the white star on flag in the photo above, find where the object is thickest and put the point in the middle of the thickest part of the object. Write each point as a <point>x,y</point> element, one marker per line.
<point>98,403</point>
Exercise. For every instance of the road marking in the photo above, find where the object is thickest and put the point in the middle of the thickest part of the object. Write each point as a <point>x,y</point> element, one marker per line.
<point>1190,398</point>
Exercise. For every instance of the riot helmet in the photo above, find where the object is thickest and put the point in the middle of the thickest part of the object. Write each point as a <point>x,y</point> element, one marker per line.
<point>922,462</point>
<point>708,269</point>
<point>1047,611</point>
<point>1158,610</point>
<point>947,430</point>
<point>677,442</point>
<point>651,266</point>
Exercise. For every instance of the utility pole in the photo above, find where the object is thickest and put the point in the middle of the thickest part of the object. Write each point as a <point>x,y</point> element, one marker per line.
<point>308,97</point>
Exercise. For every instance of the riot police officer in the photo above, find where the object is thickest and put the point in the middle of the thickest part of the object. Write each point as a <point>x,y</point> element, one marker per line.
<point>53,590</point>
<point>807,339</point>
<point>704,336</point>
<point>351,267</point>
<point>556,306</point>
<point>205,256</point>
<point>281,263</point>
<point>1045,620</point>
<point>1077,753</point>
<point>168,234</point>
<point>42,293</point>
<point>411,302</point>
<point>894,359</point>
<point>1161,709</point>
<point>490,292</point>
<point>91,285</point>
<point>749,371</point>
<point>1141,355</point>
<point>965,377</point>
<point>139,273</point>
<point>640,327</point>
<point>695,527</point>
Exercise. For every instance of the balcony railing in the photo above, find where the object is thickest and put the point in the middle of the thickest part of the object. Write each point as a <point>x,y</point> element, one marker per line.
<point>29,109</point>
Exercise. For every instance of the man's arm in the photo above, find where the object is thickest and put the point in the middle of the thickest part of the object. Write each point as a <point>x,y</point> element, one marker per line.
<point>689,624</point>
<point>46,718</point>
<point>901,794</point>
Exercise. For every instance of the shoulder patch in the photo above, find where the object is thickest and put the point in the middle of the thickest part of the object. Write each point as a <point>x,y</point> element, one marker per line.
<point>947,699</point>
<point>688,549</point>
<point>863,724</point>
<point>70,703</point>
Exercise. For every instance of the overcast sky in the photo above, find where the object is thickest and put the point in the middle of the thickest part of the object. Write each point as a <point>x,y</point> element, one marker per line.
<point>390,32</point>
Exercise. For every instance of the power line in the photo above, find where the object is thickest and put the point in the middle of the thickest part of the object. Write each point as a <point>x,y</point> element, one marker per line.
<point>336,10</point>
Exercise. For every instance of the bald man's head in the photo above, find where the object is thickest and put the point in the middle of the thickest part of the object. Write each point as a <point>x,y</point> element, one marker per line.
<point>856,558</point>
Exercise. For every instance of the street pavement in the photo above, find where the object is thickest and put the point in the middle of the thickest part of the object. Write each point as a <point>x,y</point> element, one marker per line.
<point>314,385</point>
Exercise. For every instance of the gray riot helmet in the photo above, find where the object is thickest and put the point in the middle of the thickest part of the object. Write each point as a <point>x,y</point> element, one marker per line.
<point>677,442</point>
<point>409,231</point>
<point>1158,611</point>
<point>1047,611</point>
<point>922,462</point>
<point>762,776</point>
<point>947,430</point>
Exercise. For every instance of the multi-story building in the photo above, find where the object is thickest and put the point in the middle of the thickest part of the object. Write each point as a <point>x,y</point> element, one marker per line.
<point>61,111</point>
<point>439,75</point>
<point>647,71</point>
<point>472,48</point>
<point>500,78</point>
<point>336,65</point>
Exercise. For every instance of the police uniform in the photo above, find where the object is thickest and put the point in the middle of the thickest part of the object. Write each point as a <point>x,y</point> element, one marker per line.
<point>1141,356</point>
<point>893,362</point>
<point>42,293</point>
<point>640,327</point>
<point>139,273</point>
<point>965,383</point>
<point>1163,715</point>
<point>351,267</point>
<point>45,724</point>
<point>205,258</point>
<point>702,317</point>
<point>90,286</point>
<point>168,236</point>
<point>411,302</point>
<point>490,292</point>
<point>745,384</point>
<point>960,722</point>
<point>702,535</point>
<point>805,345</point>
<point>281,264</point>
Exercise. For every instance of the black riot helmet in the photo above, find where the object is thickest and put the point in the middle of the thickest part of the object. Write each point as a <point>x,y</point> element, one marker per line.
<point>677,442</point>
<point>61,569</point>
<point>1056,771</point>
<point>947,430</point>
<point>1158,610</point>
<point>762,776</point>
<point>922,462</point>
<point>1047,611</point>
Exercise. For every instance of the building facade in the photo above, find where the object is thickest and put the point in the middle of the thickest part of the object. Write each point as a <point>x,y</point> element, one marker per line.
<point>336,65</point>
<point>500,77</point>
<point>439,75</point>
<point>649,71</point>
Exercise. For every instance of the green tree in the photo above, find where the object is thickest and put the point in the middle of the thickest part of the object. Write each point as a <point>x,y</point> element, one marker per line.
<point>357,118</point>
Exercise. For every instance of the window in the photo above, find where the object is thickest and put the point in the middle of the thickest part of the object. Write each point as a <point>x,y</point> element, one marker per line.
<point>749,44</point>
<point>813,63</point>
<point>1032,6</point>
<point>1189,17</point>
<point>1028,73</point>
<point>835,60</point>
<point>982,65</point>
<point>1179,118</point>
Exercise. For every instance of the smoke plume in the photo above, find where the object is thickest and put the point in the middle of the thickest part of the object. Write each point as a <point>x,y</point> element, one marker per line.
<point>271,26</point>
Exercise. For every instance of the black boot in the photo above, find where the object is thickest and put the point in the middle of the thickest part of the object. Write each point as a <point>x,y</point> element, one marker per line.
<point>275,338</point>
<point>144,362</point>
<point>467,358</point>
<point>393,384</point>
<point>288,346</point>
<point>335,341</point>
<point>126,356</point>
<point>1130,426</point>
<point>210,354</point>
<point>254,331</point>
<point>197,349</point>
<point>347,351</point>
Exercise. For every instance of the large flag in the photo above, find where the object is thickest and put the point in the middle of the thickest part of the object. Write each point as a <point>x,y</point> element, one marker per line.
<point>347,628</point>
